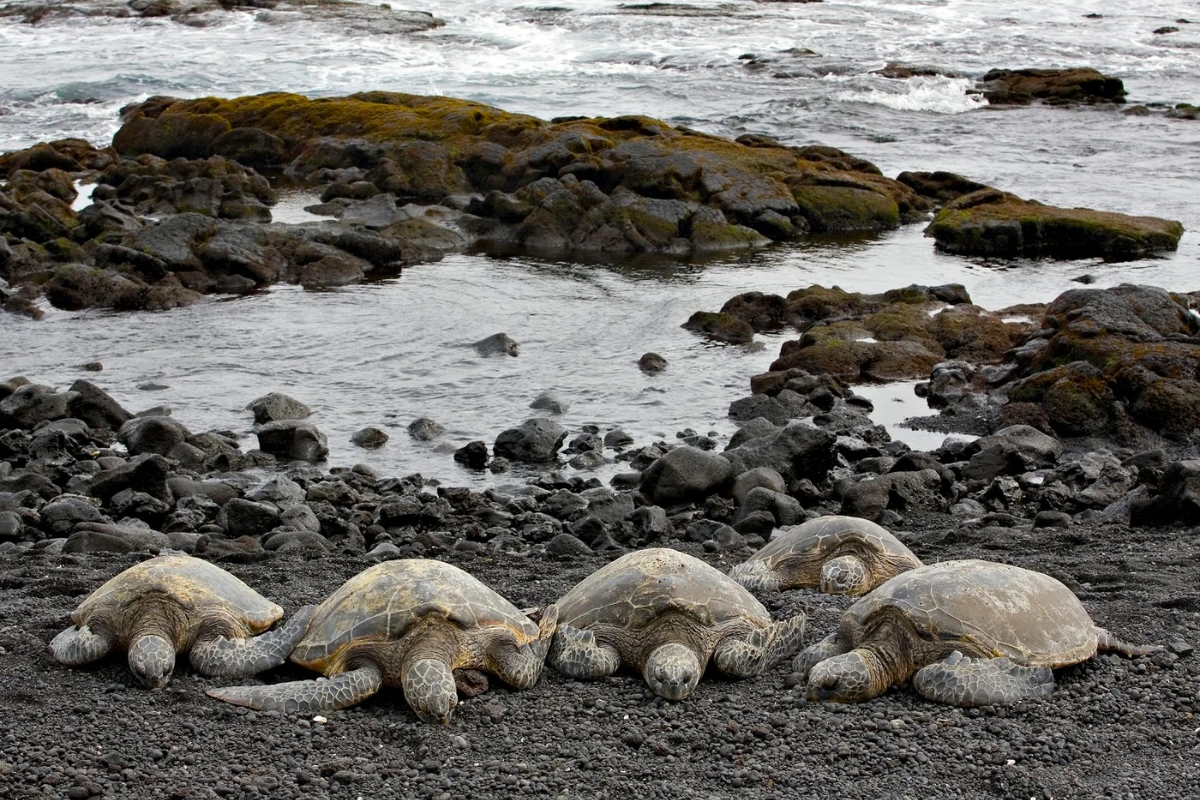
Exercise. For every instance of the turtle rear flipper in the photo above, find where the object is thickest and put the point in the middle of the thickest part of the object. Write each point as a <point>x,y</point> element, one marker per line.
<point>239,658</point>
<point>306,697</point>
<point>76,646</point>
<point>753,654</point>
<point>1106,641</point>
<point>962,681</point>
<point>576,654</point>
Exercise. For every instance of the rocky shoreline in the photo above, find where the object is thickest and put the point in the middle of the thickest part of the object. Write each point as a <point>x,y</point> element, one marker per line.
<point>179,207</point>
<point>1085,468</point>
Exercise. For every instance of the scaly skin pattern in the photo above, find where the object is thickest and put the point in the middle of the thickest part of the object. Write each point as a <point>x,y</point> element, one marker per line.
<point>973,633</point>
<point>967,682</point>
<point>238,658</point>
<point>408,624</point>
<point>159,608</point>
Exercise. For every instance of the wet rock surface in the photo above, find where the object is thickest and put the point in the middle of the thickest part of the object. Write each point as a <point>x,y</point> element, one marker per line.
<point>87,488</point>
<point>365,19</point>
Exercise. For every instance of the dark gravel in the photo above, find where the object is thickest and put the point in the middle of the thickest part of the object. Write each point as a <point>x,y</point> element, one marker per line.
<point>1113,728</point>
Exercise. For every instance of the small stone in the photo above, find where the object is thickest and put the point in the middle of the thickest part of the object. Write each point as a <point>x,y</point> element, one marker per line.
<point>424,429</point>
<point>92,366</point>
<point>369,438</point>
<point>319,719</point>
<point>652,363</point>
<point>473,455</point>
<point>1181,648</point>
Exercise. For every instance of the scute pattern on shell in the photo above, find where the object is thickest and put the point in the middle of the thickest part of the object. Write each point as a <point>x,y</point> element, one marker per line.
<point>828,535</point>
<point>383,602</point>
<point>195,584</point>
<point>1027,616</point>
<point>639,586</point>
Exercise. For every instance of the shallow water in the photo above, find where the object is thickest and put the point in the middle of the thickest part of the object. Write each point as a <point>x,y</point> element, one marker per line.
<point>388,352</point>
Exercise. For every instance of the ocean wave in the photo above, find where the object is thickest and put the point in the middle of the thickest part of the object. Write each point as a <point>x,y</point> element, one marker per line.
<point>936,94</point>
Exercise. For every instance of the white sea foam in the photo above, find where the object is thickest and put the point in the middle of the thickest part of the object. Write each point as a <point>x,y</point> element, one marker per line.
<point>936,94</point>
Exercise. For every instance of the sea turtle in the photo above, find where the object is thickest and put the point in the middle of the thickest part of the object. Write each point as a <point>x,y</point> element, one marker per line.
<point>666,613</point>
<point>842,555</point>
<point>408,623</point>
<point>175,604</point>
<point>969,633</point>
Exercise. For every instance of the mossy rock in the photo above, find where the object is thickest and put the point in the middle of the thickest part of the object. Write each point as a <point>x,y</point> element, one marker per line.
<point>1011,227</point>
<point>763,312</point>
<point>1054,86</point>
<point>1170,406</point>
<point>817,302</point>
<point>970,333</point>
<point>843,209</point>
<point>720,326</point>
<point>173,134</point>
<point>77,286</point>
<point>1076,398</point>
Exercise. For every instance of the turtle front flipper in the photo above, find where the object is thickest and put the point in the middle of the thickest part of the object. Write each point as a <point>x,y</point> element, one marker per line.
<point>521,666</point>
<point>962,681</point>
<point>240,658</point>
<point>816,653</point>
<point>576,654</point>
<point>77,646</point>
<point>306,697</point>
<point>763,648</point>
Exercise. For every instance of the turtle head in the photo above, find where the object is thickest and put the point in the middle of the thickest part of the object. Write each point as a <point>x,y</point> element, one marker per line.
<point>672,671</point>
<point>848,678</point>
<point>152,660</point>
<point>845,575</point>
<point>430,690</point>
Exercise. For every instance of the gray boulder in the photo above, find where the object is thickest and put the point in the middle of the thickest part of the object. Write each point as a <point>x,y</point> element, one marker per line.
<point>280,491</point>
<point>896,491</point>
<point>153,434</point>
<point>293,440</point>
<point>146,473</point>
<point>424,429</point>
<point>756,428</point>
<point>102,538</point>
<point>754,478</point>
<point>537,440</point>
<point>275,407</point>
<point>1011,450</point>
<point>784,509</point>
<point>798,451</point>
<point>63,513</point>
<point>685,475</point>
<point>33,403</point>
<point>369,438</point>
<point>91,404</point>
<point>240,517</point>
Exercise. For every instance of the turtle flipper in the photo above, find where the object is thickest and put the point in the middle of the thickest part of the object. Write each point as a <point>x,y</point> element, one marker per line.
<point>521,666</point>
<point>239,658</point>
<point>1106,641</point>
<point>746,656</point>
<point>77,646</point>
<point>576,654</point>
<point>962,681</point>
<point>816,653</point>
<point>306,697</point>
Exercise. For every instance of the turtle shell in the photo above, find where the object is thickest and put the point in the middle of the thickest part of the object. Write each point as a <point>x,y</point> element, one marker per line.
<point>1002,610</point>
<point>381,603</point>
<point>640,586</point>
<point>829,537</point>
<point>194,584</point>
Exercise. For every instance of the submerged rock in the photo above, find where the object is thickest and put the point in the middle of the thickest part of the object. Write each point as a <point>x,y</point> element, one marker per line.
<point>1052,86</point>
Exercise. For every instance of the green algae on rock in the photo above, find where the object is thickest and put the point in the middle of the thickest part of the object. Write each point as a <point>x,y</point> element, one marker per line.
<point>989,222</point>
<point>729,194</point>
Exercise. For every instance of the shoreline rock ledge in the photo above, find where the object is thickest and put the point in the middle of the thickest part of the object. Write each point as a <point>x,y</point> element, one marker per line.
<point>180,204</point>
